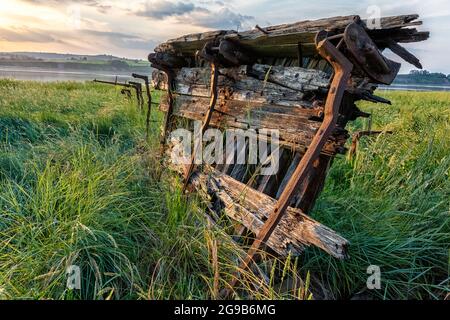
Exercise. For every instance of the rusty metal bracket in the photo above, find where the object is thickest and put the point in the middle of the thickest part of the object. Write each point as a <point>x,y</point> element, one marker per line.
<point>168,116</point>
<point>212,58</point>
<point>136,86</point>
<point>165,63</point>
<point>140,98</point>
<point>367,55</point>
<point>126,85</point>
<point>233,54</point>
<point>126,92</point>
<point>342,68</point>
<point>149,101</point>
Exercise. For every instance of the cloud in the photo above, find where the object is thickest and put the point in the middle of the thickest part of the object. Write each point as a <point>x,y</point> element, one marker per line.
<point>27,35</point>
<point>189,13</point>
<point>223,18</point>
<point>161,9</point>
<point>102,8</point>
<point>122,40</point>
<point>63,2</point>
<point>117,39</point>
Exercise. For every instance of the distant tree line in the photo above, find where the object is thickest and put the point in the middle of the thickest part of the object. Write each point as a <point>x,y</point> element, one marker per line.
<point>424,77</point>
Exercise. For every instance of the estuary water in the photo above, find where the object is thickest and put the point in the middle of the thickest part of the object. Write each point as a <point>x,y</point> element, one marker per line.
<point>52,75</point>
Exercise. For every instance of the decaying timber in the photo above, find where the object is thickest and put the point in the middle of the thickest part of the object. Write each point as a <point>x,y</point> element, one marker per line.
<point>302,79</point>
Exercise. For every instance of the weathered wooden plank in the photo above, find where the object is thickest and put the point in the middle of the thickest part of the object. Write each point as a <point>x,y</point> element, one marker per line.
<point>250,115</point>
<point>229,159</point>
<point>266,153</point>
<point>250,207</point>
<point>295,125</point>
<point>308,26</point>
<point>403,53</point>
<point>294,78</point>
<point>257,83</point>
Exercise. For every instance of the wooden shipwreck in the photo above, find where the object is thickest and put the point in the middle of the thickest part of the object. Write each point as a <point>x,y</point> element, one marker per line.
<point>302,79</point>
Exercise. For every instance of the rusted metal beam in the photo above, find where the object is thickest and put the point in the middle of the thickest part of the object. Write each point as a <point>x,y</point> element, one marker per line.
<point>166,63</point>
<point>149,101</point>
<point>136,86</point>
<point>140,98</point>
<point>367,56</point>
<point>114,83</point>
<point>212,58</point>
<point>168,116</point>
<point>342,68</point>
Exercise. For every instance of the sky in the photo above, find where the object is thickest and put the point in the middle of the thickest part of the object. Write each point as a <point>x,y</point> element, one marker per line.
<point>132,28</point>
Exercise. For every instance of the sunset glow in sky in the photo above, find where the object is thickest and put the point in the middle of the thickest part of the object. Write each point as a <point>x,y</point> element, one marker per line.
<point>132,28</point>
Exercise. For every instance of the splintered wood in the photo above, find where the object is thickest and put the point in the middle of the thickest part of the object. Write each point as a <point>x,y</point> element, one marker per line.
<point>301,79</point>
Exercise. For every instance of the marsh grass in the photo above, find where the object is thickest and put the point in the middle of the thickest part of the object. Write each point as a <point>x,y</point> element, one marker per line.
<point>392,202</point>
<point>79,186</point>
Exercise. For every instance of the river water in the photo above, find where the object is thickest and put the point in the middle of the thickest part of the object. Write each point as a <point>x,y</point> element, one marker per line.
<point>52,75</point>
<point>418,87</point>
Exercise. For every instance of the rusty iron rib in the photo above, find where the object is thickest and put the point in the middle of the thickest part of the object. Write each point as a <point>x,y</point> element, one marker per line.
<point>149,101</point>
<point>206,121</point>
<point>168,116</point>
<point>342,68</point>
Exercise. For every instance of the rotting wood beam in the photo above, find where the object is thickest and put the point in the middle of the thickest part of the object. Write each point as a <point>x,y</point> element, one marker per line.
<point>257,83</point>
<point>403,53</point>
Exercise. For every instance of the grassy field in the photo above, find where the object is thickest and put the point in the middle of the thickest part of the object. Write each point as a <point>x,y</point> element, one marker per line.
<point>79,186</point>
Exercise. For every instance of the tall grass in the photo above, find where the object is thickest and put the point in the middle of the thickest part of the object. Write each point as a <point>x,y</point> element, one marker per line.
<point>78,186</point>
<point>392,202</point>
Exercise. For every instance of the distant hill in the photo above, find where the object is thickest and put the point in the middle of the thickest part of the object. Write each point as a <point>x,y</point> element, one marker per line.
<point>60,56</point>
<point>59,61</point>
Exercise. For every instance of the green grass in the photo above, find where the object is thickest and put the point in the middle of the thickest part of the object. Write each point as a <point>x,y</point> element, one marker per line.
<point>392,202</point>
<point>79,185</point>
